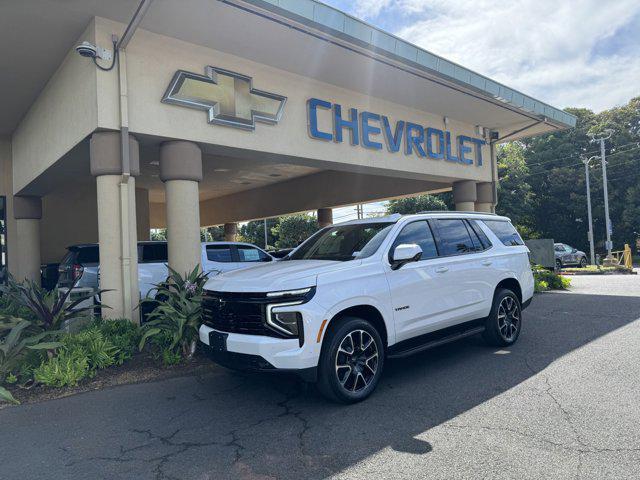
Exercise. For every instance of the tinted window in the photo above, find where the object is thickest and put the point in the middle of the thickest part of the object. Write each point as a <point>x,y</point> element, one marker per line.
<point>154,252</point>
<point>505,232</point>
<point>559,248</point>
<point>219,253</point>
<point>420,234</point>
<point>341,243</point>
<point>480,236</point>
<point>251,254</point>
<point>88,255</point>
<point>454,237</point>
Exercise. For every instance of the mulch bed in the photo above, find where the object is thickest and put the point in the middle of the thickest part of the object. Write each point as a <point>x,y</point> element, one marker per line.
<point>141,368</point>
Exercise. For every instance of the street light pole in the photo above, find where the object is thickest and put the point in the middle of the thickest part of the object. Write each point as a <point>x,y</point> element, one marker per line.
<point>607,220</point>
<point>590,233</point>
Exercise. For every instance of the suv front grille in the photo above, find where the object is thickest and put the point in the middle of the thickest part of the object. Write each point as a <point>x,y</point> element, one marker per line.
<point>236,313</point>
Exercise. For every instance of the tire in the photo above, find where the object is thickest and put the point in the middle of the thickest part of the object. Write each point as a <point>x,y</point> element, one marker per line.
<point>347,377</point>
<point>583,262</point>
<point>504,323</point>
<point>558,264</point>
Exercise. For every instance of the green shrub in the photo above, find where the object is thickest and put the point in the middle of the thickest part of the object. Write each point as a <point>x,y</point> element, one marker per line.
<point>123,334</point>
<point>548,280</point>
<point>173,324</point>
<point>20,345</point>
<point>169,357</point>
<point>85,352</point>
<point>64,370</point>
<point>49,310</point>
<point>541,286</point>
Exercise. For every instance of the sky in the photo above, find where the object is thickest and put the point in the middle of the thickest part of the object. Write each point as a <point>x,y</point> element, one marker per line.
<point>569,53</point>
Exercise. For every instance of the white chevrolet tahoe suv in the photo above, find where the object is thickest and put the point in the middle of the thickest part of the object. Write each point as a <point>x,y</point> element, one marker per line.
<point>358,293</point>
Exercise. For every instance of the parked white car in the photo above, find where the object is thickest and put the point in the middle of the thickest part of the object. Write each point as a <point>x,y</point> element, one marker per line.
<point>358,293</point>
<point>80,266</point>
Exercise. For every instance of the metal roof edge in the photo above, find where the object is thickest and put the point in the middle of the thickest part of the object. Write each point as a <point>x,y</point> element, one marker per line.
<point>320,16</point>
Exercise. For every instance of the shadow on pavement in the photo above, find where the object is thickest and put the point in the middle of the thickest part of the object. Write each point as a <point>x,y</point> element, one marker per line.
<point>244,426</point>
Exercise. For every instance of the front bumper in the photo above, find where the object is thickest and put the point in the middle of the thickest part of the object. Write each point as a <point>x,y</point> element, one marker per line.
<point>261,353</point>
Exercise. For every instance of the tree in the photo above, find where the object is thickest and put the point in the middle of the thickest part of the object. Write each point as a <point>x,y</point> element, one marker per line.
<point>419,203</point>
<point>159,234</point>
<point>292,230</point>
<point>515,196</point>
<point>555,205</point>
<point>253,232</point>
<point>212,234</point>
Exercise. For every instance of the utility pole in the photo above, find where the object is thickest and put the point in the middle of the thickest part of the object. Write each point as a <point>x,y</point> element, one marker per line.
<point>590,233</point>
<point>359,211</point>
<point>607,135</point>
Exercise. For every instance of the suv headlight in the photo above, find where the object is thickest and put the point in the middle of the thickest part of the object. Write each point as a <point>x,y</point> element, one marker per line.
<point>285,322</point>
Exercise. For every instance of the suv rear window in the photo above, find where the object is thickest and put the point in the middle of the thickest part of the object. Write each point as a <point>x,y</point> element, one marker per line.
<point>85,255</point>
<point>506,232</point>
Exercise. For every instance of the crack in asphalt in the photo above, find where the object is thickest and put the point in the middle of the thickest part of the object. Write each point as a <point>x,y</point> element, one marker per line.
<point>131,454</point>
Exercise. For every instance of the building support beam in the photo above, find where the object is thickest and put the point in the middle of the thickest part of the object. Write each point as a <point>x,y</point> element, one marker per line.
<point>464,195</point>
<point>181,172</point>
<point>325,217</point>
<point>484,201</point>
<point>230,232</point>
<point>117,224</point>
<point>27,211</point>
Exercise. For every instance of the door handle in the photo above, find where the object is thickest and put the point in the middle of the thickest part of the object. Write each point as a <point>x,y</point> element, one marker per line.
<point>486,263</point>
<point>442,269</point>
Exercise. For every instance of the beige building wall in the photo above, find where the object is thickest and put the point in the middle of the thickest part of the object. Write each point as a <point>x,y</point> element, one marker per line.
<point>68,218</point>
<point>65,112</point>
<point>153,59</point>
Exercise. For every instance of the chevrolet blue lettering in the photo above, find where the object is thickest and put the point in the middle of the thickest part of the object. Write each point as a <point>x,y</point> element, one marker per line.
<point>372,130</point>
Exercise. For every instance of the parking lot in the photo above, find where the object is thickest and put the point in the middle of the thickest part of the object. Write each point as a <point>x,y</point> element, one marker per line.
<point>562,403</point>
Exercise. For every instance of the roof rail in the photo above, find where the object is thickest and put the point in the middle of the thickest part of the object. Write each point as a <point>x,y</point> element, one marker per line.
<point>456,211</point>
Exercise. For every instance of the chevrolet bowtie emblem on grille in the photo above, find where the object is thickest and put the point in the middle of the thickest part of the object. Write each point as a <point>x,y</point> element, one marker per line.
<point>228,98</point>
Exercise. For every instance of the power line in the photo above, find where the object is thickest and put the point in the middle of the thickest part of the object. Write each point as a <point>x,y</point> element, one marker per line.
<point>582,154</point>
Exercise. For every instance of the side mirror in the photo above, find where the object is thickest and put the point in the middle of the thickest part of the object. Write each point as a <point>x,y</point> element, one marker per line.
<point>574,250</point>
<point>405,253</point>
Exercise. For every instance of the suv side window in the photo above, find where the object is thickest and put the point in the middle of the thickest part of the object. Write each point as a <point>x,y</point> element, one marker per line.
<point>219,253</point>
<point>251,254</point>
<point>154,253</point>
<point>478,235</point>
<point>454,237</point>
<point>419,233</point>
<point>505,232</point>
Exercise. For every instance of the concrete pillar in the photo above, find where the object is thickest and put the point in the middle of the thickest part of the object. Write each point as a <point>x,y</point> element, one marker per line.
<point>230,232</point>
<point>464,195</point>
<point>117,225</point>
<point>181,171</point>
<point>27,211</point>
<point>484,200</point>
<point>325,217</point>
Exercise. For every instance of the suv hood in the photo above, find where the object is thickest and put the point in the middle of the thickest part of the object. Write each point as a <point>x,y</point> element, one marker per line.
<point>274,276</point>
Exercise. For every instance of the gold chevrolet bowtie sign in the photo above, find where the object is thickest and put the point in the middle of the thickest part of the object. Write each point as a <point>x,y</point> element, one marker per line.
<point>228,98</point>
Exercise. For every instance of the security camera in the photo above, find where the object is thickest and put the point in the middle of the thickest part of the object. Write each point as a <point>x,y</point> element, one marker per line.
<point>89,50</point>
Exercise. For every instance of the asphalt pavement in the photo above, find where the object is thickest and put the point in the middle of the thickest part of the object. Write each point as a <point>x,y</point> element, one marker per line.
<point>564,402</point>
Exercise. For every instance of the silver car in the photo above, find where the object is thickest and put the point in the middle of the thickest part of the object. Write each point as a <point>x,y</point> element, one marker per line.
<point>566,256</point>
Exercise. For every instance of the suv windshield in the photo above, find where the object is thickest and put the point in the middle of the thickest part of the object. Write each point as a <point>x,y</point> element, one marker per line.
<point>343,243</point>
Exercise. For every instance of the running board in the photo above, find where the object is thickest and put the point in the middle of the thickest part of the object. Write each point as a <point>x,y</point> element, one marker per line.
<point>436,343</point>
